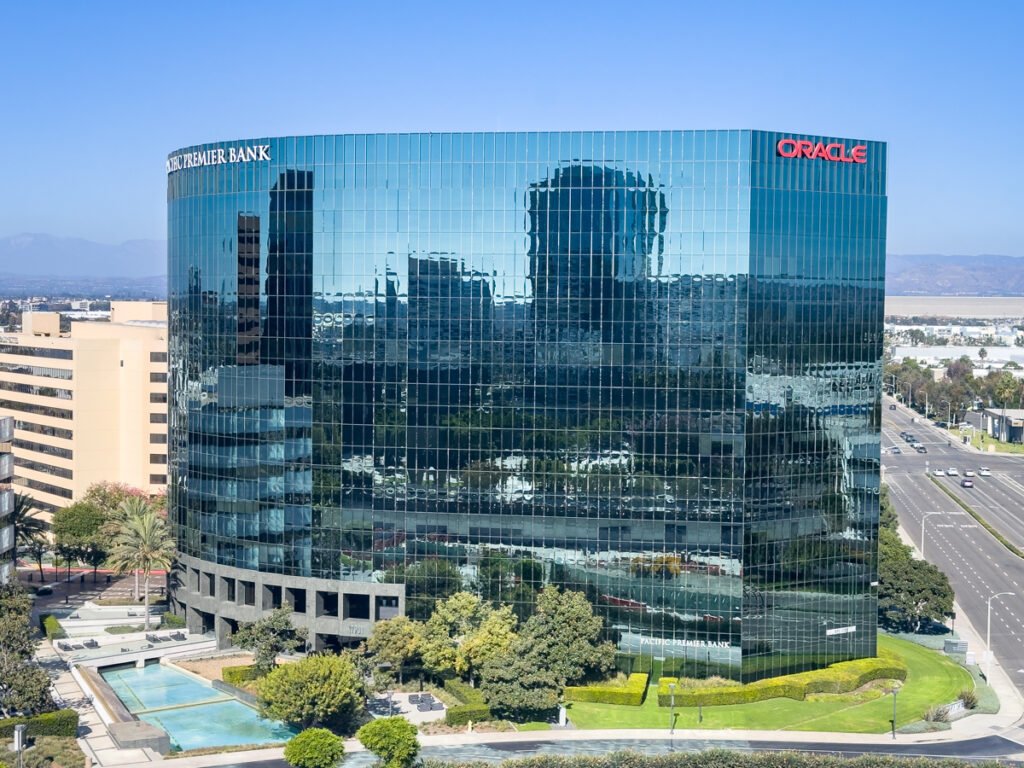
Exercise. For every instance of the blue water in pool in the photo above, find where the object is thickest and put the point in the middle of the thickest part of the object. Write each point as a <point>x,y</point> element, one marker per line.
<point>192,713</point>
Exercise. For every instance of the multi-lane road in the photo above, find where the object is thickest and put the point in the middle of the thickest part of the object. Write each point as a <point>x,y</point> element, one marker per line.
<point>978,566</point>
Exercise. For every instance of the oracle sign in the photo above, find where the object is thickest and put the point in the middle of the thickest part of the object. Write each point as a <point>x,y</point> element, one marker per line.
<point>835,153</point>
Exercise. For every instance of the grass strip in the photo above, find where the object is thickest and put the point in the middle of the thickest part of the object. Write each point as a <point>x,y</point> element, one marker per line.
<point>982,521</point>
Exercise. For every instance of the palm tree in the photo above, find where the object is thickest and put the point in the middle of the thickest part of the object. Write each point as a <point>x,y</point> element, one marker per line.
<point>117,521</point>
<point>145,544</point>
<point>26,525</point>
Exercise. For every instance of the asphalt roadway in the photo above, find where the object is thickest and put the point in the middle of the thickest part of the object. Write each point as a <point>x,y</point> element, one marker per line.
<point>978,566</point>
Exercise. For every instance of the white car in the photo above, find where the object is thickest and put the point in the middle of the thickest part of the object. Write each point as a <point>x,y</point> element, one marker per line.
<point>939,473</point>
<point>984,472</point>
<point>968,473</point>
<point>952,472</point>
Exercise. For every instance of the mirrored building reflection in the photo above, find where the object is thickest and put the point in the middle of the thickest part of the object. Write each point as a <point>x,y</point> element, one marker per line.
<point>641,365</point>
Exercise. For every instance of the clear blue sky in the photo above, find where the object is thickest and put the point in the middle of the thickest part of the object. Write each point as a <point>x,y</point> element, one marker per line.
<point>95,95</point>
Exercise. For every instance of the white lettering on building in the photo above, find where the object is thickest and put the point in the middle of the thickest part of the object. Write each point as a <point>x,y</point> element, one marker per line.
<point>199,158</point>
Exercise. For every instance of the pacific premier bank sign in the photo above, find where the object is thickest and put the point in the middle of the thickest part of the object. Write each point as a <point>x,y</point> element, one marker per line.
<point>199,158</point>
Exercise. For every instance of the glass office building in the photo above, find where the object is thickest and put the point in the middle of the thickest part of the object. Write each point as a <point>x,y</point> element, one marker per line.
<point>644,365</point>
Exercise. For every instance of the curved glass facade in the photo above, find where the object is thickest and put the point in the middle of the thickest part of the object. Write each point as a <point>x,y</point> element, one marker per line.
<point>644,365</point>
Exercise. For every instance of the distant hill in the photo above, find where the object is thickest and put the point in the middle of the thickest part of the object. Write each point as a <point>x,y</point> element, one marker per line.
<point>139,266</point>
<point>39,255</point>
<point>940,275</point>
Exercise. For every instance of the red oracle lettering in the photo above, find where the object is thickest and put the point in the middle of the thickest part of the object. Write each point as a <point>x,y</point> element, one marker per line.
<point>787,148</point>
<point>833,152</point>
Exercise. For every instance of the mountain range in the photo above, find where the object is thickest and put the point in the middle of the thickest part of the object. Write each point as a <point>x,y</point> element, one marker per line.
<point>29,260</point>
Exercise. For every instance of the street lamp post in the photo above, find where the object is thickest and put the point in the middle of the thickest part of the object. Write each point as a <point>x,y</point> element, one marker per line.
<point>926,516</point>
<point>910,390</point>
<point>895,690</point>
<point>988,634</point>
<point>672,713</point>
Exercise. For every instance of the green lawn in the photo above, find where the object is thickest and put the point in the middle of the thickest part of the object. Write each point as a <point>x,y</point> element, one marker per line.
<point>983,445</point>
<point>932,679</point>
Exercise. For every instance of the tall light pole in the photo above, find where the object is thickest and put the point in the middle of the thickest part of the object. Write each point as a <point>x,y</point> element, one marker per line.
<point>672,714</point>
<point>910,389</point>
<point>988,634</point>
<point>895,689</point>
<point>949,411</point>
<point>926,516</point>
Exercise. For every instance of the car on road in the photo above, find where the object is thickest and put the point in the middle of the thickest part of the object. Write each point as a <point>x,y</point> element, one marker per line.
<point>967,483</point>
<point>939,472</point>
<point>895,449</point>
<point>953,472</point>
<point>921,449</point>
<point>892,406</point>
<point>984,472</point>
<point>968,473</point>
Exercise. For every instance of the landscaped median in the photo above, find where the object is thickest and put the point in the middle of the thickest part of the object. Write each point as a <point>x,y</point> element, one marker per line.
<point>838,699</point>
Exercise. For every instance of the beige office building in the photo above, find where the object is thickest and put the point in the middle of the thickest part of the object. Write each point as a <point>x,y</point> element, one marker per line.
<point>89,405</point>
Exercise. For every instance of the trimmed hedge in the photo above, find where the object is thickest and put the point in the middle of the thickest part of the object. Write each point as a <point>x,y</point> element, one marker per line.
<point>170,621</point>
<point>465,713</point>
<point>63,722</point>
<point>238,676</point>
<point>473,706</point>
<point>630,692</point>
<point>464,692</point>
<point>50,627</point>
<point>843,677</point>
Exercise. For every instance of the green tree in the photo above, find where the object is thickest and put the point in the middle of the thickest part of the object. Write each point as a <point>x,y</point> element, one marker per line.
<point>109,496</point>
<point>566,634</point>
<point>519,686</point>
<point>491,640</point>
<point>131,506</point>
<point>316,691</point>
<point>910,591</point>
<point>144,544</point>
<point>37,548</point>
<point>27,525</point>
<point>269,637</point>
<point>392,740</point>
<point>454,621</point>
<point>396,642</point>
<point>314,748</point>
<point>24,685</point>
<point>77,529</point>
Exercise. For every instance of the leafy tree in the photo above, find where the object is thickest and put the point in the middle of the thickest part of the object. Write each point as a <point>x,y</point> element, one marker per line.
<point>463,633</point>
<point>314,748</point>
<point>77,529</point>
<point>910,591</point>
<point>519,686</point>
<point>316,691</point>
<point>144,544</point>
<point>269,637</point>
<point>982,353</point>
<point>491,640</point>
<point>396,642</point>
<point>392,740</point>
<point>26,525</point>
<point>566,634</point>
<point>36,549</point>
<point>132,505</point>
<point>109,496</point>
<point>24,685</point>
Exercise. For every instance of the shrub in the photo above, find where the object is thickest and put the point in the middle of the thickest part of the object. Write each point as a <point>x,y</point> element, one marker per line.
<point>238,676</point>
<point>63,722</point>
<point>170,621</point>
<point>51,627</point>
<point>969,697</point>
<point>464,692</point>
<point>123,629</point>
<point>629,692</point>
<point>315,748</point>
<point>54,750</point>
<point>465,713</point>
<point>936,715</point>
<point>316,691</point>
<point>839,678</point>
<point>392,739</point>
